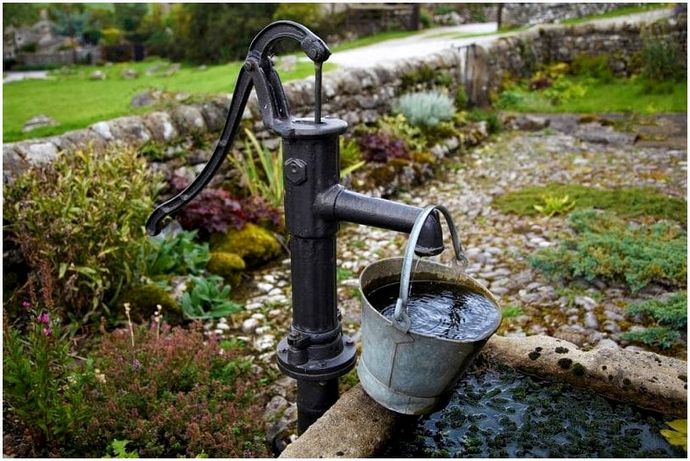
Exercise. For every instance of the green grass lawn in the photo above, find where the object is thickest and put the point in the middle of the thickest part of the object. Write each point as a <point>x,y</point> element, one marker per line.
<point>622,11</point>
<point>75,101</point>
<point>619,95</point>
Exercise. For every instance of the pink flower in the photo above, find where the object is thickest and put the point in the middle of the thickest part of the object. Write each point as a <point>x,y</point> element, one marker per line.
<point>26,304</point>
<point>44,318</point>
<point>47,332</point>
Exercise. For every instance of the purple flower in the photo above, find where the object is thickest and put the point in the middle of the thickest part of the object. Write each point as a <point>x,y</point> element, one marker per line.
<point>48,332</point>
<point>136,364</point>
<point>44,318</point>
<point>26,304</point>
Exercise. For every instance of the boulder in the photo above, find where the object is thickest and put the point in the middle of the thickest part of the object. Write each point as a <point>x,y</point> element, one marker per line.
<point>130,74</point>
<point>97,75</point>
<point>38,121</point>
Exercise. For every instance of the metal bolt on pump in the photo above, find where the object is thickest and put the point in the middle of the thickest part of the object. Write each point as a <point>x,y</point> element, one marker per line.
<point>315,352</point>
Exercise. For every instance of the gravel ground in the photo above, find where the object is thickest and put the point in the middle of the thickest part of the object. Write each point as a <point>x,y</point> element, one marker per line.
<point>496,245</point>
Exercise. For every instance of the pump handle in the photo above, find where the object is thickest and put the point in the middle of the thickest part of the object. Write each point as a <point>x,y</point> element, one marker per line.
<point>258,71</point>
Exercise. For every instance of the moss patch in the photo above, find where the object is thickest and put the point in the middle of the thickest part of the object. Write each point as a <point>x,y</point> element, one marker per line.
<point>625,202</point>
<point>143,301</point>
<point>227,265</point>
<point>254,244</point>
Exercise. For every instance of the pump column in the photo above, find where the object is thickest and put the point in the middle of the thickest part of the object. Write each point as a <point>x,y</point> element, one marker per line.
<point>315,352</point>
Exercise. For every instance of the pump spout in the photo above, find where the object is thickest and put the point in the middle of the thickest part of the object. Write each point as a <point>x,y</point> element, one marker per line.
<point>341,204</point>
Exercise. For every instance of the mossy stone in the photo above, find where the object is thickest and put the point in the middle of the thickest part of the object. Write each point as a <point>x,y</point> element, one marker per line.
<point>254,244</point>
<point>143,300</point>
<point>227,265</point>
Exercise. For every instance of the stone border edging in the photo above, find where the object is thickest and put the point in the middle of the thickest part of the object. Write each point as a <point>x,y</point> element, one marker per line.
<point>357,427</point>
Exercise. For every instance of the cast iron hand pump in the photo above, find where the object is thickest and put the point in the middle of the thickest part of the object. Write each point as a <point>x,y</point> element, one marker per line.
<point>315,352</point>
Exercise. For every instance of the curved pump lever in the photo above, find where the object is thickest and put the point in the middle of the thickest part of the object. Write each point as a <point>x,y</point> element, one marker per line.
<point>258,72</point>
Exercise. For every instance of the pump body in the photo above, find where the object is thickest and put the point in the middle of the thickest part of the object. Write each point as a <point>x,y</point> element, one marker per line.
<point>315,352</point>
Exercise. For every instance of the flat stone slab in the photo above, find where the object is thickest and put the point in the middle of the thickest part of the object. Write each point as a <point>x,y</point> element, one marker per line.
<point>645,379</point>
<point>355,427</point>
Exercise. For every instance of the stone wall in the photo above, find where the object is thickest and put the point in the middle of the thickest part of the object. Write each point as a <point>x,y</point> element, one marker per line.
<point>362,95</point>
<point>522,14</point>
<point>521,54</point>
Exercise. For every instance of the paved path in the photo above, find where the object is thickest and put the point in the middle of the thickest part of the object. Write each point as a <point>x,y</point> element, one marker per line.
<point>10,77</point>
<point>438,39</point>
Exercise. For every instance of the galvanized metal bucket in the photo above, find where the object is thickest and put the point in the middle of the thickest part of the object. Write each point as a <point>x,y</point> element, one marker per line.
<point>402,370</point>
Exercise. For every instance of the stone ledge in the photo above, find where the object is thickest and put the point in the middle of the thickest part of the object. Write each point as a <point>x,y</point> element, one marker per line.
<point>355,427</point>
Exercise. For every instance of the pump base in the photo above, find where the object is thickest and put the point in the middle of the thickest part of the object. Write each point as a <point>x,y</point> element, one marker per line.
<point>321,369</point>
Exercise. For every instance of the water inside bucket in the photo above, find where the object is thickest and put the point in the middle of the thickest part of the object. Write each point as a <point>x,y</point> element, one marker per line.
<point>440,309</point>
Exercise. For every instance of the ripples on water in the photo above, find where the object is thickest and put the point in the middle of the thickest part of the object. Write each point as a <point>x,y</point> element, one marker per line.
<point>440,309</point>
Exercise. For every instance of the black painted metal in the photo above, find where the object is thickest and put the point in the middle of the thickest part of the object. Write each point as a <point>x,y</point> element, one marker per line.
<point>315,352</point>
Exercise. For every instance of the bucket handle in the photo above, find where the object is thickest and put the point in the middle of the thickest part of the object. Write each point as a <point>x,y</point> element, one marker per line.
<point>401,320</point>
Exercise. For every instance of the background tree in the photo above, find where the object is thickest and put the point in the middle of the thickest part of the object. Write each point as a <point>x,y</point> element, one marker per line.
<point>215,33</point>
<point>19,14</point>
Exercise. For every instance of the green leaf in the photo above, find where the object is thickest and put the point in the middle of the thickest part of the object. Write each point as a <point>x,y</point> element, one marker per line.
<point>678,434</point>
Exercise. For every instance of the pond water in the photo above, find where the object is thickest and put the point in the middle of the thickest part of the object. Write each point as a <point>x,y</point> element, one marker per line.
<point>498,412</point>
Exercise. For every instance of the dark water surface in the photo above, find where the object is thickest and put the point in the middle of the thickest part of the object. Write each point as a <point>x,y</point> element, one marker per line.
<point>440,309</point>
<point>501,413</point>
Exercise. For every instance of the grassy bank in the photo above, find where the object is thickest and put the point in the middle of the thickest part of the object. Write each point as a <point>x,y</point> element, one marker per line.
<point>75,101</point>
<point>584,95</point>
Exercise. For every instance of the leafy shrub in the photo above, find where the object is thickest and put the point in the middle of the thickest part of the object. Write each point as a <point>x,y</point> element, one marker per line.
<point>208,298</point>
<point>425,109</point>
<point>42,388</point>
<point>563,89</point>
<point>626,202</point>
<point>175,393</point>
<point>461,98</point>
<point>606,247</point>
<point>79,222</point>
<point>593,66</point>
<point>554,205</point>
<point>381,147</point>
<point>176,254</point>
<point>493,123</point>
<point>266,182</point>
<point>509,99</point>
<point>350,154</point>
<point>119,450</point>
<point>661,60</point>
<point>422,75</point>
<point>213,210</point>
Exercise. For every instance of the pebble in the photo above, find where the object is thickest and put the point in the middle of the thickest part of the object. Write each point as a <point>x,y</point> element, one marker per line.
<point>264,343</point>
<point>591,321</point>
<point>585,302</point>
<point>222,326</point>
<point>250,325</point>
<point>264,287</point>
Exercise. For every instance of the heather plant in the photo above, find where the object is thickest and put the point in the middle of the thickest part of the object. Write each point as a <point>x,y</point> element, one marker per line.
<point>208,298</point>
<point>80,223</point>
<point>175,393</point>
<point>425,109</point>
<point>606,247</point>
<point>381,147</point>
<point>668,319</point>
<point>175,254</point>
<point>42,386</point>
